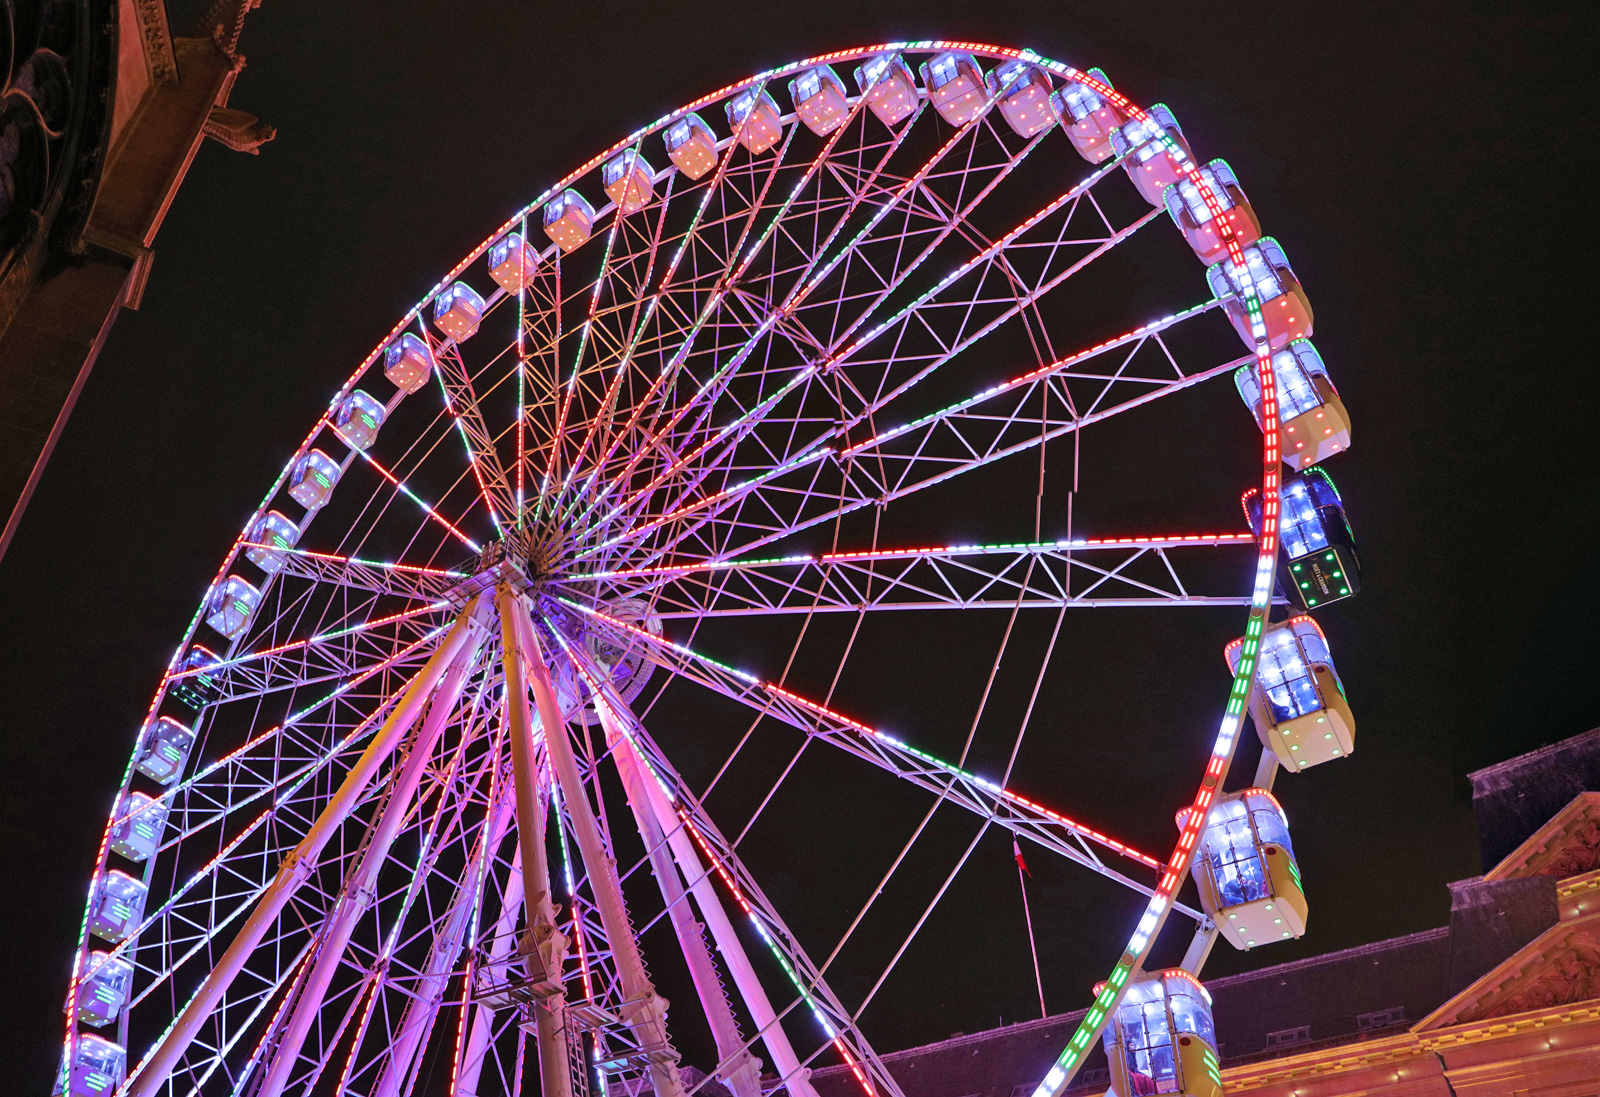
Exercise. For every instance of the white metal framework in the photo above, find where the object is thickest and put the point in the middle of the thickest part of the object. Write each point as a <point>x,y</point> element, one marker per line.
<point>423,809</point>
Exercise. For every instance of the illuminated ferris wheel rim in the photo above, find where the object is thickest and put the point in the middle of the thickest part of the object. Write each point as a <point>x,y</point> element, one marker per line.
<point>1164,898</point>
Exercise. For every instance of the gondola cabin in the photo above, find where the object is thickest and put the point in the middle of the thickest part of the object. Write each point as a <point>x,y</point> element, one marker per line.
<point>512,262</point>
<point>103,990</point>
<point>407,363</point>
<point>312,478</point>
<point>358,418</point>
<point>96,1067</point>
<point>164,748</point>
<point>955,87</point>
<point>269,537</point>
<point>1027,102</point>
<point>1089,118</point>
<point>1157,154</point>
<point>137,826</point>
<point>1317,560</point>
<point>1200,224</point>
<point>1298,702</point>
<point>756,121</point>
<point>1246,872</point>
<point>691,146</point>
<point>118,907</point>
<point>193,685</point>
<point>458,311</point>
<point>232,605</point>
<point>569,220</point>
<point>629,181</point>
<point>890,88</point>
<point>1162,1038</point>
<point>1313,423</point>
<point>1285,312</point>
<point>819,99</point>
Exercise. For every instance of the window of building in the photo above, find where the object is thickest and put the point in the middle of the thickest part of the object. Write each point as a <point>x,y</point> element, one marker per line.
<point>1381,1018</point>
<point>1286,1036</point>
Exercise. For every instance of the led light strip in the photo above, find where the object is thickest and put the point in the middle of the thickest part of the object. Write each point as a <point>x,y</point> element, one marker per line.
<point>409,494</point>
<point>1160,904</point>
<point>1176,540</point>
<point>337,559</point>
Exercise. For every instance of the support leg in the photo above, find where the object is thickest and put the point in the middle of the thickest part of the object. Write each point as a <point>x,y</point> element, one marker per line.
<point>298,865</point>
<point>738,1068</point>
<point>1266,769</point>
<point>796,1078</point>
<point>544,947</point>
<point>645,1010</point>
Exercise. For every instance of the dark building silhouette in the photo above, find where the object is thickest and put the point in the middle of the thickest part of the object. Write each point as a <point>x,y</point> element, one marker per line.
<point>102,112</point>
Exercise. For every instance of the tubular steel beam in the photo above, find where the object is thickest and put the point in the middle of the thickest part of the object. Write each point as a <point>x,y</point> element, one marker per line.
<point>644,1009</point>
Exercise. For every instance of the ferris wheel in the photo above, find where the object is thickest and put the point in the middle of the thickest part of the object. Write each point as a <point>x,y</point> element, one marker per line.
<point>401,817</point>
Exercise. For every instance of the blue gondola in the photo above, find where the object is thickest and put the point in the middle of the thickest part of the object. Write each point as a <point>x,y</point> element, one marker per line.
<point>1318,562</point>
<point>1162,1038</point>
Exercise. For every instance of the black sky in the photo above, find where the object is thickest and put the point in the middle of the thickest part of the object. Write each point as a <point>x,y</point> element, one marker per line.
<point>1429,167</point>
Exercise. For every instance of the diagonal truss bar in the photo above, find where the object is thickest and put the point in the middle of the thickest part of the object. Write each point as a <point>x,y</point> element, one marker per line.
<point>461,403</point>
<point>403,580</point>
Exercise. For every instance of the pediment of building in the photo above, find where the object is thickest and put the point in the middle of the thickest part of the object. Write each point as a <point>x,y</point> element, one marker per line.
<point>1568,845</point>
<point>1560,967</point>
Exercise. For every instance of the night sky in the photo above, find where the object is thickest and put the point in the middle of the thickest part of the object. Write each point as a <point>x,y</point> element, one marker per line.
<point>1426,165</point>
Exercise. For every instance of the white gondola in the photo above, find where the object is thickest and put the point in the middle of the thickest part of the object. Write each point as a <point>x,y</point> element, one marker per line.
<point>1162,1038</point>
<point>1200,225</point>
<point>358,418</point>
<point>819,99</point>
<point>1245,869</point>
<point>118,907</point>
<point>1027,102</point>
<point>756,121</point>
<point>1285,312</point>
<point>164,748</point>
<point>1157,154</point>
<point>569,220</point>
<point>1089,118</point>
<point>103,990</point>
<point>1298,702</point>
<point>232,605</point>
<point>511,262</point>
<point>1311,416</point>
<point>96,1068</point>
<point>457,311</point>
<point>138,823</point>
<point>890,88</point>
<point>312,478</point>
<point>407,363</point>
<point>271,534</point>
<point>955,86</point>
<point>691,146</point>
<point>629,181</point>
